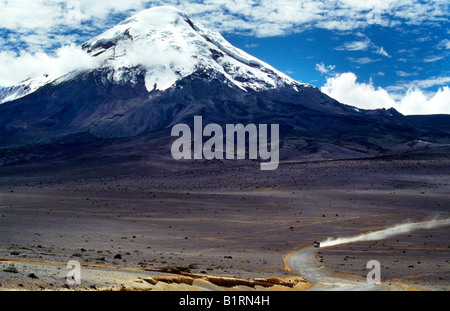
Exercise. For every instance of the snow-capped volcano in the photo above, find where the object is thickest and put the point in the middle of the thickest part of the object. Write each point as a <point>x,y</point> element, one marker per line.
<point>170,46</point>
<point>167,46</point>
<point>159,68</point>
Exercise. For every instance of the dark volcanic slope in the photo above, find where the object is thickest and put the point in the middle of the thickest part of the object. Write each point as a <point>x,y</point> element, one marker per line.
<point>90,108</point>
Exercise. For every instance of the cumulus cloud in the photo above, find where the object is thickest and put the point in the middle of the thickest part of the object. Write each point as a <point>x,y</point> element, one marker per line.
<point>417,102</point>
<point>345,88</point>
<point>17,67</point>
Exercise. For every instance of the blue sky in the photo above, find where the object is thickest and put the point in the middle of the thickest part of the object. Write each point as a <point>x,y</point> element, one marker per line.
<point>369,54</point>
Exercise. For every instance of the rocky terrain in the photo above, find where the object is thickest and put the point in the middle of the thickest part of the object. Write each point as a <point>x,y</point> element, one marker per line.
<point>222,221</point>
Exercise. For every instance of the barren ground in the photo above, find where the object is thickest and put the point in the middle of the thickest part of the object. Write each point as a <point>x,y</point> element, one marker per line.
<point>213,219</point>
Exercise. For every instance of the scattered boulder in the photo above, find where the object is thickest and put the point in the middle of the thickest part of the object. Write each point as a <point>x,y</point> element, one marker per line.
<point>33,276</point>
<point>11,269</point>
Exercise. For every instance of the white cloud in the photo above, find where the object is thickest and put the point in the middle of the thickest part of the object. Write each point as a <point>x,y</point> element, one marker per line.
<point>417,102</point>
<point>346,89</point>
<point>401,73</point>
<point>433,59</point>
<point>323,69</point>
<point>370,4</point>
<point>355,46</point>
<point>363,60</point>
<point>363,45</point>
<point>422,84</point>
<point>380,50</point>
<point>23,15</point>
<point>444,44</point>
<point>16,68</point>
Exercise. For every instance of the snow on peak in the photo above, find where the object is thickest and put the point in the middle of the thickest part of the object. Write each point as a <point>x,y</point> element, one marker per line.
<point>26,87</point>
<point>170,46</point>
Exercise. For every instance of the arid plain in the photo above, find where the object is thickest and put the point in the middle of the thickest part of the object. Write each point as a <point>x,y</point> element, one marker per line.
<point>159,224</point>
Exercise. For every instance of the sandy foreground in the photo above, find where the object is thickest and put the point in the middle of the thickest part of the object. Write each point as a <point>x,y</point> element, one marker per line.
<point>213,226</point>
